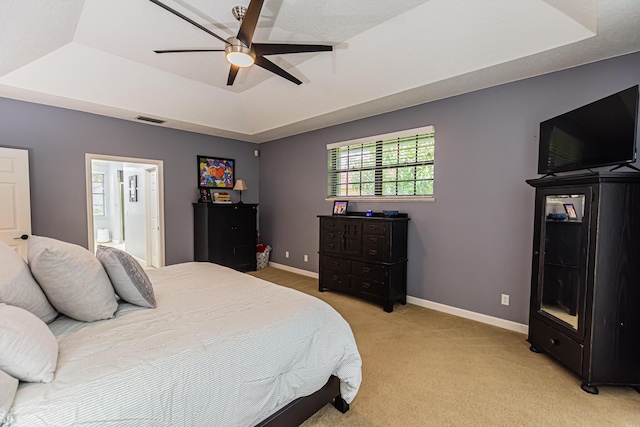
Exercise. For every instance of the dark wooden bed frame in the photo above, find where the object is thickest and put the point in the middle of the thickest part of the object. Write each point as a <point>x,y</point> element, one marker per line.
<point>296,412</point>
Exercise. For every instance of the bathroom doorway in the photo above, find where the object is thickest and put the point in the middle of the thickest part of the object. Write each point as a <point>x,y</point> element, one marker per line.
<point>125,206</point>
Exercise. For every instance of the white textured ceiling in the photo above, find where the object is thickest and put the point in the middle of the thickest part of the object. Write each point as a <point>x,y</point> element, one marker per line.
<point>97,56</point>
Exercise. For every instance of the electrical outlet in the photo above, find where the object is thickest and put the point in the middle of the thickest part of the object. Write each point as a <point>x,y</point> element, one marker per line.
<point>306,258</point>
<point>286,254</point>
<point>505,299</point>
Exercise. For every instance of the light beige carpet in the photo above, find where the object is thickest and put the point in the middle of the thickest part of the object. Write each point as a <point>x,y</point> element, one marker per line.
<point>426,368</point>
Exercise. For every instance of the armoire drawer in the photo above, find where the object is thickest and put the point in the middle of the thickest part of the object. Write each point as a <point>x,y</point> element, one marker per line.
<point>565,349</point>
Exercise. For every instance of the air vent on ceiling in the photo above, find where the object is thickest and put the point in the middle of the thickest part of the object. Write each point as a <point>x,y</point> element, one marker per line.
<point>150,119</point>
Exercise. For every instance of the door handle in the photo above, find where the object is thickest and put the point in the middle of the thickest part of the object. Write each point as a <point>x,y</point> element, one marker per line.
<point>23,237</point>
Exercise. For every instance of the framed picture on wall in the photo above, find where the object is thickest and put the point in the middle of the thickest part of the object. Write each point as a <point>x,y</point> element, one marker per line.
<point>571,211</point>
<point>215,172</point>
<point>340,207</point>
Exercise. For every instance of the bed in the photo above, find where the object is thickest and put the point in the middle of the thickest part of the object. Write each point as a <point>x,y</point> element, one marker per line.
<point>221,348</point>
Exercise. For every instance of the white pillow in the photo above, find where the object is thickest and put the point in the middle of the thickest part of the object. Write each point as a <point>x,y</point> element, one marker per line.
<point>28,349</point>
<point>8,388</point>
<point>127,276</point>
<point>72,278</point>
<point>19,288</point>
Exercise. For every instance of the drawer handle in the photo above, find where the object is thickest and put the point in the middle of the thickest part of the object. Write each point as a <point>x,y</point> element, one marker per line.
<point>373,251</point>
<point>366,285</point>
<point>331,245</point>
<point>372,227</point>
<point>366,269</point>
<point>332,235</point>
<point>336,263</point>
<point>372,240</point>
<point>334,278</point>
<point>553,341</point>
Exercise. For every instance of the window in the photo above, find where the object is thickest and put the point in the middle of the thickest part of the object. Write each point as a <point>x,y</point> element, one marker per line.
<point>395,165</point>
<point>97,191</point>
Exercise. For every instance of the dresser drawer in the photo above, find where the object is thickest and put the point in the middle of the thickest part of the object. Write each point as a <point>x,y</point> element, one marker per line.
<point>557,344</point>
<point>369,271</point>
<point>335,279</point>
<point>379,228</point>
<point>331,241</point>
<point>367,287</point>
<point>335,264</point>
<point>373,247</point>
<point>331,224</point>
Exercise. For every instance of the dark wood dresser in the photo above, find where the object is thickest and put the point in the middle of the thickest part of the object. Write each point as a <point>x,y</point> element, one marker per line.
<point>225,234</point>
<point>365,257</point>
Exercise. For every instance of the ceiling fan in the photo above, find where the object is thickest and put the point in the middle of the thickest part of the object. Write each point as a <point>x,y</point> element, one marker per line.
<point>241,51</point>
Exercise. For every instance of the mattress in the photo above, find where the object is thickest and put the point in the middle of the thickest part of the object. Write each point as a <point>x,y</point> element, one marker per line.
<point>221,349</point>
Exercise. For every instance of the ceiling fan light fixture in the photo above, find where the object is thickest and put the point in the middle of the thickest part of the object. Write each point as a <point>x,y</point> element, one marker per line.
<point>238,54</point>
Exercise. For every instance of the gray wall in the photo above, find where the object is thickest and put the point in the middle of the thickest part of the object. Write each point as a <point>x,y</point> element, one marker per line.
<point>58,139</point>
<point>474,242</point>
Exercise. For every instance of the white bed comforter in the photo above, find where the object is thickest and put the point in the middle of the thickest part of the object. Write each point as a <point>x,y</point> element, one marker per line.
<point>222,349</point>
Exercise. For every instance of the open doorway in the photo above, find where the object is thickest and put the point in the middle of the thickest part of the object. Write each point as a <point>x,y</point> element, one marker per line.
<point>125,206</point>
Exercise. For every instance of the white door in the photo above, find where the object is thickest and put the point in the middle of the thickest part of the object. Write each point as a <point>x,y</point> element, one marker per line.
<point>15,199</point>
<point>154,225</point>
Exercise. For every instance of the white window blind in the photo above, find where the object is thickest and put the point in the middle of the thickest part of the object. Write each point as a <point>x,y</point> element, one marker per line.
<point>393,165</point>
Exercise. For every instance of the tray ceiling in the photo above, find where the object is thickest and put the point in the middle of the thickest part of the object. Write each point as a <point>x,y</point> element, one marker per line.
<point>97,56</point>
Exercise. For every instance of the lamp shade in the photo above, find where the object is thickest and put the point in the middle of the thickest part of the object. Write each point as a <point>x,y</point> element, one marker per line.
<point>240,185</point>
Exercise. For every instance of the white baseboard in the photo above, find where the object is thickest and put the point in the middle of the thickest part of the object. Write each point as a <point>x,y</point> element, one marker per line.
<point>478,317</point>
<point>293,270</point>
<point>471,315</point>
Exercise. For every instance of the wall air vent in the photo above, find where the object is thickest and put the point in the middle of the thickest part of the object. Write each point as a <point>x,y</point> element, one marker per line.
<point>150,119</point>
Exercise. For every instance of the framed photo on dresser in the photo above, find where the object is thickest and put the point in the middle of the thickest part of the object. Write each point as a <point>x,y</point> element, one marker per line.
<point>340,207</point>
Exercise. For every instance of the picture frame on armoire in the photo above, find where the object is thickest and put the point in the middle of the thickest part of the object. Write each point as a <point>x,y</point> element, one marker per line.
<point>205,196</point>
<point>571,211</point>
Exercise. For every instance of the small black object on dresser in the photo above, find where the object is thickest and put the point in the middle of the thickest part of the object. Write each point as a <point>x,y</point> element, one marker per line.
<point>585,279</point>
<point>225,234</point>
<point>365,256</point>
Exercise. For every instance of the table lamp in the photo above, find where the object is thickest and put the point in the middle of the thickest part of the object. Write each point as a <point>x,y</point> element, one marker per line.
<point>240,186</point>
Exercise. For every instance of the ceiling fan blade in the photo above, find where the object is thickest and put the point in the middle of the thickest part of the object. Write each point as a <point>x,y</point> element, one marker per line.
<point>270,66</point>
<point>250,21</point>
<point>190,21</point>
<point>233,72</point>
<point>280,49</point>
<point>188,50</point>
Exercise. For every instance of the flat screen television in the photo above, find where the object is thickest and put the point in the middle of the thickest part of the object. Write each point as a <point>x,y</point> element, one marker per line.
<point>602,133</point>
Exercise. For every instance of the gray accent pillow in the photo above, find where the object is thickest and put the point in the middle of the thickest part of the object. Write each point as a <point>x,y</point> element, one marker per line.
<point>8,388</point>
<point>19,288</point>
<point>127,276</point>
<point>72,278</point>
<point>28,348</point>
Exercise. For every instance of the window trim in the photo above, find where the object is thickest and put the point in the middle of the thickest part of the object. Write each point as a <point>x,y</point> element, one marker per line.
<point>384,137</point>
